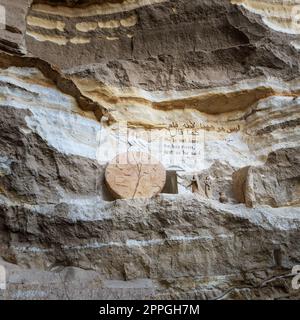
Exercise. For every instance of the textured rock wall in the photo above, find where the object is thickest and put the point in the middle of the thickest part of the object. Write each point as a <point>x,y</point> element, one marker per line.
<point>276,183</point>
<point>225,73</point>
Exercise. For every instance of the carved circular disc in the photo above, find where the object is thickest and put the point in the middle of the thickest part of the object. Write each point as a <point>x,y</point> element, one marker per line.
<point>135,175</point>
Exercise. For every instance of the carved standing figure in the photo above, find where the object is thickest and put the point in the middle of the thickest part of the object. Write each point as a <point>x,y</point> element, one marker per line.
<point>194,185</point>
<point>223,198</point>
<point>207,184</point>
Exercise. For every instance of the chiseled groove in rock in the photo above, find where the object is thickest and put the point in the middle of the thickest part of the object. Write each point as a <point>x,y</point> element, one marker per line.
<point>45,23</point>
<point>93,10</point>
<point>278,15</point>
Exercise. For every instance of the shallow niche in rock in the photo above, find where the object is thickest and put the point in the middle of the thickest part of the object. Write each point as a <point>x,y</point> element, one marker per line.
<point>214,183</point>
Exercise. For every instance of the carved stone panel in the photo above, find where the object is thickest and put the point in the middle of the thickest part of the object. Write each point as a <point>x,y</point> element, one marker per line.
<point>135,175</point>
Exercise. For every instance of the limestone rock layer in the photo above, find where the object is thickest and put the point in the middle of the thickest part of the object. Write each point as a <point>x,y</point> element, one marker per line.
<point>210,88</point>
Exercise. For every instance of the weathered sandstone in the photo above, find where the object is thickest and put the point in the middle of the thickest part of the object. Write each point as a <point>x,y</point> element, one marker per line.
<point>210,88</point>
<point>276,183</point>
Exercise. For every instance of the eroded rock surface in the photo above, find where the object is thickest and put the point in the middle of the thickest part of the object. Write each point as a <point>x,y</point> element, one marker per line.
<point>277,183</point>
<point>210,88</point>
<point>170,247</point>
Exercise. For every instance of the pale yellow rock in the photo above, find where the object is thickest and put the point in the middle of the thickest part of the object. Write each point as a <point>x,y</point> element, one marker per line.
<point>93,10</point>
<point>109,24</point>
<point>86,26</point>
<point>80,40</point>
<point>60,40</point>
<point>112,38</point>
<point>45,23</point>
<point>129,22</point>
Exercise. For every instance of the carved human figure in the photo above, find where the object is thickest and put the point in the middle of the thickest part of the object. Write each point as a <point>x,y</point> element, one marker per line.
<point>207,187</point>
<point>194,185</point>
<point>223,198</point>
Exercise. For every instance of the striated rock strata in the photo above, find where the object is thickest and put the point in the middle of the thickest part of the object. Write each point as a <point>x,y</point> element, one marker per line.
<point>211,88</point>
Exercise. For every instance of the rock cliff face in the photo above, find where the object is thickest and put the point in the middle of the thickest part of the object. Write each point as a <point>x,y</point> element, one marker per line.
<point>211,88</point>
